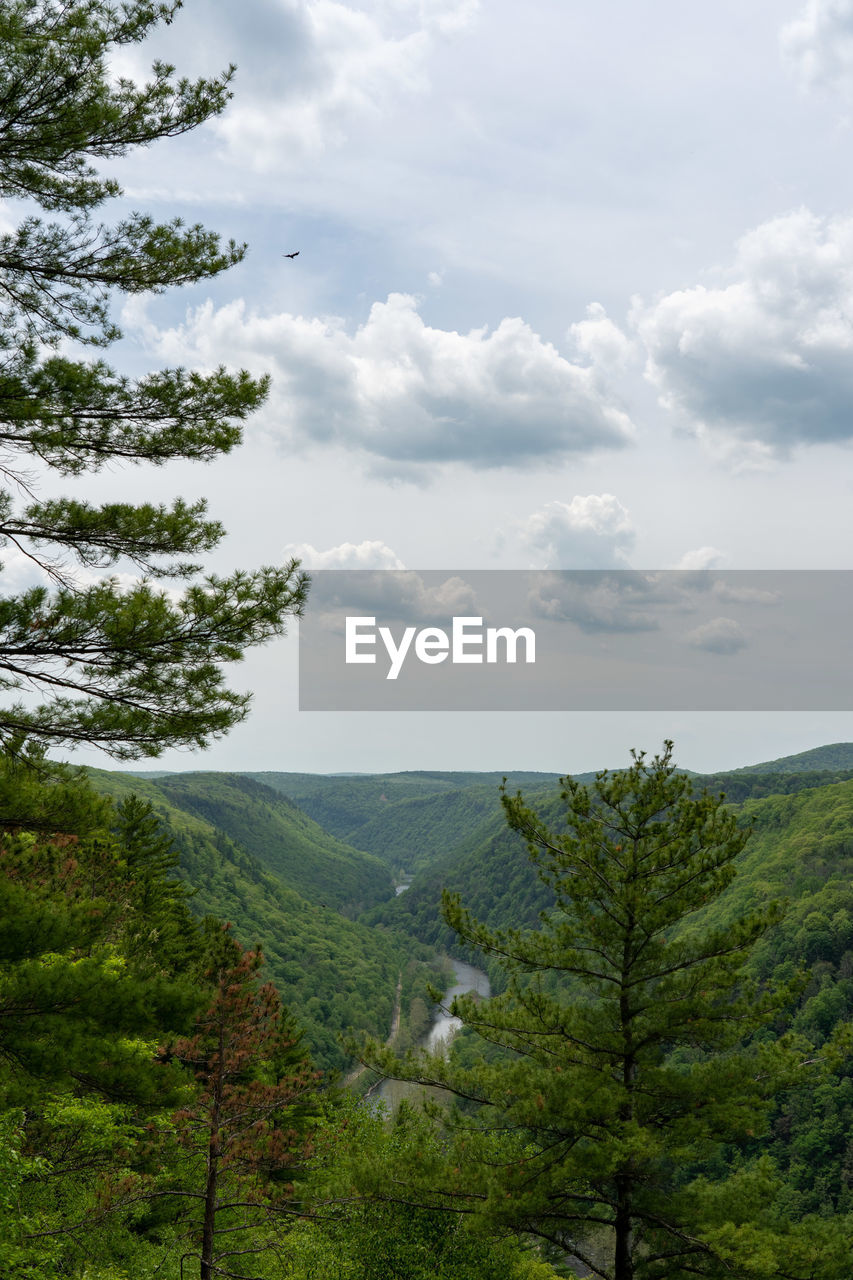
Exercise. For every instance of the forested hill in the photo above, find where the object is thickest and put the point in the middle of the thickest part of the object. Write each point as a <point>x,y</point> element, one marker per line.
<point>333,972</point>
<point>415,820</point>
<point>836,756</point>
<point>488,867</point>
<point>407,819</point>
<point>800,842</point>
<point>284,838</point>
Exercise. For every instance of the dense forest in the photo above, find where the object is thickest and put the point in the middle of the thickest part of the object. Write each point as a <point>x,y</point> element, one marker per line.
<point>135,924</point>
<point>203,975</point>
<point>293,890</point>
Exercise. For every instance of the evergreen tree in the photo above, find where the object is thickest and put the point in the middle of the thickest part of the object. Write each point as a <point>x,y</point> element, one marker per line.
<point>132,671</point>
<point>85,980</point>
<point>620,1063</point>
<point>246,1124</point>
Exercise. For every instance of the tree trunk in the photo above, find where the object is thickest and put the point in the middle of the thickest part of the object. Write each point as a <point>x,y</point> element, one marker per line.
<point>623,1261</point>
<point>208,1227</point>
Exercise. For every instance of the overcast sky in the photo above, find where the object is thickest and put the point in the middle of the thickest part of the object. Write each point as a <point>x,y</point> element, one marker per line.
<point>574,289</point>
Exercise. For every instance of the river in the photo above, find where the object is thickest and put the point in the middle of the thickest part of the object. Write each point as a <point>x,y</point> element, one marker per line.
<point>467,978</point>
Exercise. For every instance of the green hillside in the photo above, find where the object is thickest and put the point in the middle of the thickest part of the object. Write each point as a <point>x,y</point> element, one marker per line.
<point>488,867</point>
<point>410,835</point>
<point>332,972</point>
<point>406,819</point>
<point>835,756</point>
<point>793,834</point>
<point>282,837</point>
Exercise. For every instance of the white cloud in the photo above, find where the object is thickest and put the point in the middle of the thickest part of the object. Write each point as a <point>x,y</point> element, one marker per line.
<point>8,221</point>
<point>20,572</point>
<point>700,558</point>
<point>354,61</point>
<point>590,532</point>
<point>600,603</point>
<point>396,595</point>
<point>403,392</point>
<point>720,635</point>
<point>735,593</point>
<point>763,362</point>
<point>348,555</point>
<point>601,341</point>
<point>818,45</point>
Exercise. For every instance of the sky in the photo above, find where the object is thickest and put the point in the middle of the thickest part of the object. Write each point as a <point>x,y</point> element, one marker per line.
<point>574,289</point>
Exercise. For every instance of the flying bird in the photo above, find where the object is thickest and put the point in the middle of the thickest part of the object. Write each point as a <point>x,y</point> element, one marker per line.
<point>291,255</point>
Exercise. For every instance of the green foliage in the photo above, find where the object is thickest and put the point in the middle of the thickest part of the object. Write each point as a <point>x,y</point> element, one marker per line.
<point>245,1126</point>
<point>749,785</point>
<point>336,973</point>
<point>484,867</point>
<point>284,839</point>
<point>622,1025</point>
<point>130,670</point>
<point>835,756</point>
<point>99,959</point>
<point>19,1222</point>
<point>409,820</point>
<point>76,1003</point>
<point>362,1227</point>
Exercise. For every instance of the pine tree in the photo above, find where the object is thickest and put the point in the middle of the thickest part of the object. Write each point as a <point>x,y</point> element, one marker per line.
<point>247,1123</point>
<point>132,671</point>
<point>621,1031</point>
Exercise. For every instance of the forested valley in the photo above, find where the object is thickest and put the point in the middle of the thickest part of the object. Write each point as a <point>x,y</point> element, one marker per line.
<point>156,966</point>
<point>204,975</point>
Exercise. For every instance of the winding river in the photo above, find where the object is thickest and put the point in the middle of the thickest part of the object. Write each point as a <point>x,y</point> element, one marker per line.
<point>467,978</point>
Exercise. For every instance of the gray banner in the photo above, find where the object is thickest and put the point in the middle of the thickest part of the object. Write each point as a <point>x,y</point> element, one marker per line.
<point>580,640</point>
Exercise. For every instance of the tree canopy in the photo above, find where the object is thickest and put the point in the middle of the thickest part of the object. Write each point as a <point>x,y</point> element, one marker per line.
<point>84,659</point>
<point>618,1058</point>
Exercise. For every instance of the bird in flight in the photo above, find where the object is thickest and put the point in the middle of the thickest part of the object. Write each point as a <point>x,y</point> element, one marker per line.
<point>291,255</point>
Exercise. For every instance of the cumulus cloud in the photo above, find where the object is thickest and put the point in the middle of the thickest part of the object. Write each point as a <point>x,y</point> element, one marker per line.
<point>350,61</point>
<point>320,69</point>
<point>599,603</point>
<point>347,555</point>
<point>818,45</point>
<point>590,532</point>
<point>399,596</point>
<point>403,392</point>
<point>700,558</point>
<point>720,635</point>
<point>764,361</point>
<point>601,341</point>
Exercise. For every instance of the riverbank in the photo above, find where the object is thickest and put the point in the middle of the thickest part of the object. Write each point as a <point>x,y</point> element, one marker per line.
<point>439,1036</point>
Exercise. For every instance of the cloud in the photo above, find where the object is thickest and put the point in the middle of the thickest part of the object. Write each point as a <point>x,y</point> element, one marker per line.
<point>734,593</point>
<point>700,558</point>
<point>399,596</point>
<point>402,392</point>
<point>347,62</point>
<point>601,341</point>
<point>720,635</point>
<point>764,362</point>
<point>591,532</point>
<point>818,45</point>
<point>320,69</point>
<point>598,603</point>
<point>348,555</point>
